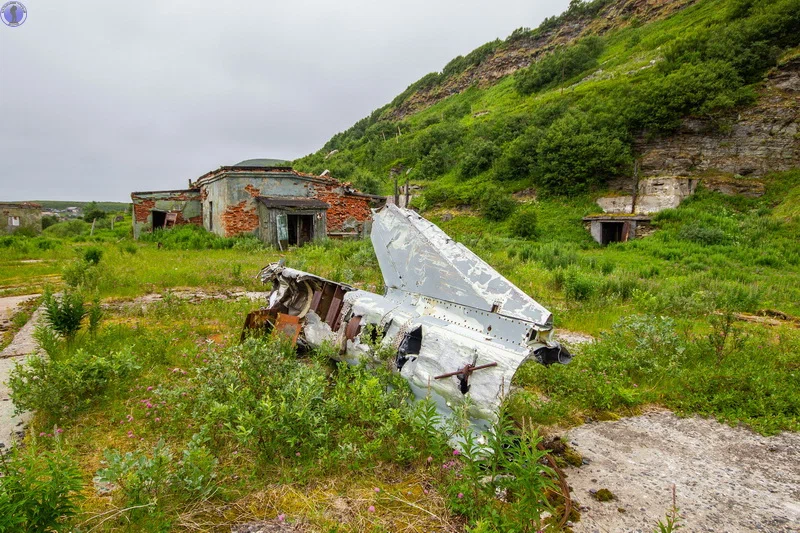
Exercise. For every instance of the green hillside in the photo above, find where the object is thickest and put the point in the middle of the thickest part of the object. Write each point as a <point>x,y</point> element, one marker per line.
<point>567,123</point>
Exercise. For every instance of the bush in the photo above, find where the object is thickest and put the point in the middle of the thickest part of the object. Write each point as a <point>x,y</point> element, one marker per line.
<point>79,274</point>
<point>70,228</point>
<point>478,157</point>
<point>578,286</point>
<point>576,153</point>
<point>57,386</point>
<point>496,205</point>
<point>49,220</point>
<point>523,223</point>
<point>65,313</point>
<point>39,489</point>
<point>559,66</point>
<point>92,255</point>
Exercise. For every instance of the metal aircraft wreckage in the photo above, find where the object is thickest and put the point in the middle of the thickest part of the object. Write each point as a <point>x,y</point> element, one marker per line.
<point>459,328</point>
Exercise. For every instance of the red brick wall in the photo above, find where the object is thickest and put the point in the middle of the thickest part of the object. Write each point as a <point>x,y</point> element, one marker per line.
<point>239,219</point>
<point>252,191</point>
<point>142,208</point>
<point>342,207</point>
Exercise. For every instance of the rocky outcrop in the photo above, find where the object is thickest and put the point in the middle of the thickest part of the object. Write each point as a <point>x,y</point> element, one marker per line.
<point>763,138</point>
<point>520,53</point>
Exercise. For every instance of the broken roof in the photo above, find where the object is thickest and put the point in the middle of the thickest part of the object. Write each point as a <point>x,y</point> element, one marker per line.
<point>292,201</point>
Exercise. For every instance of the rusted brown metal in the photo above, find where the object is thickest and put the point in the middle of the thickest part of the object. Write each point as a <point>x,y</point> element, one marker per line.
<point>353,328</point>
<point>467,371</point>
<point>289,326</point>
<point>261,319</point>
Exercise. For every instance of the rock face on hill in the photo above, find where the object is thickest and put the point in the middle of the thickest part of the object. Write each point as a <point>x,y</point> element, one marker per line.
<point>520,53</point>
<point>757,140</point>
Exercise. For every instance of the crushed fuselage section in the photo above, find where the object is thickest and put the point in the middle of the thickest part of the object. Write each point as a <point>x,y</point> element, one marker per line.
<point>458,328</point>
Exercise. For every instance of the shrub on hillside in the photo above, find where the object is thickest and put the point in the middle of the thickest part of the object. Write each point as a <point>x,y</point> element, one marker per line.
<point>560,65</point>
<point>523,223</point>
<point>496,205</point>
<point>478,157</point>
<point>576,153</point>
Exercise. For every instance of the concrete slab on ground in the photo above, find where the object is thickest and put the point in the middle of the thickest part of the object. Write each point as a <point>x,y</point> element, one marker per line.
<point>727,479</point>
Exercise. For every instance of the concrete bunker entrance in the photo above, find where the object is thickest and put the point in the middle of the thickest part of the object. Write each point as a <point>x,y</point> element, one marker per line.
<point>614,232</point>
<point>301,229</point>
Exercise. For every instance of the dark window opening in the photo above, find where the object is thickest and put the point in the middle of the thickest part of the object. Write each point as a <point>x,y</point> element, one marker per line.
<point>301,229</point>
<point>159,219</point>
<point>613,232</point>
<point>210,216</point>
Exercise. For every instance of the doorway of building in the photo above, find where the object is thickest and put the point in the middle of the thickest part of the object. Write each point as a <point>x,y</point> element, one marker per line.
<point>159,219</point>
<point>614,232</point>
<point>301,229</point>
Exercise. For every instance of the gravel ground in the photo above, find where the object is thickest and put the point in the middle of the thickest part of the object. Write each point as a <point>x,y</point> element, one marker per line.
<point>727,479</point>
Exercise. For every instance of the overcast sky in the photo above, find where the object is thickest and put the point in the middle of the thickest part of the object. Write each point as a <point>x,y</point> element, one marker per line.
<point>103,98</point>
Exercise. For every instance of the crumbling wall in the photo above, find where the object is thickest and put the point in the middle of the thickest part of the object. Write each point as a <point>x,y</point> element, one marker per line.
<point>18,216</point>
<point>185,203</point>
<point>240,218</point>
<point>346,210</point>
<point>230,202</point>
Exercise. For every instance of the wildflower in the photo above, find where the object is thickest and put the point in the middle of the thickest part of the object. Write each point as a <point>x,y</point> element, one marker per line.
<point>460,495</point>
<point>158,419</point>
<point>371,509</point>
<point>377,489</point>
<point>425,491</point>
<point>41,434</point>
<point>430,459</point>
<point>635,386</point>
<point>59,430</point>
<point>297,454</point>
<point>281,517</point>
<point>456,452</point>
<point>130,418</point>
<point>149,388</point>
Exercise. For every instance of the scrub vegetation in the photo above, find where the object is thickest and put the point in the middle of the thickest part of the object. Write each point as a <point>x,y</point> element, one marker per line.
<point>152,415</point>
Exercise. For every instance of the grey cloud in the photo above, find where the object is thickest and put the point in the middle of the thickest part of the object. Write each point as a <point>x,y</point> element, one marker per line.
<point>102,98</point>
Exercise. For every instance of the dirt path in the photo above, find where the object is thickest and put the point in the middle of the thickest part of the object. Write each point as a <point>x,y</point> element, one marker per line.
<point>727,479</point>
<point>23,344</point>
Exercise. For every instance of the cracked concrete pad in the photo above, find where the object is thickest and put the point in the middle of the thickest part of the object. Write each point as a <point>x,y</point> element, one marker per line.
<point>11,425</point>
<point>727,479</point>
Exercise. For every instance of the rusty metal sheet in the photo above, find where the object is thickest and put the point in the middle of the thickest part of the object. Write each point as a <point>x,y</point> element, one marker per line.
<point>288,326</point>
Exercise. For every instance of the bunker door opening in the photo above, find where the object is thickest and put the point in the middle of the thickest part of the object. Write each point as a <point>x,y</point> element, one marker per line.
<point>301,229</point>
<point>159,219</point>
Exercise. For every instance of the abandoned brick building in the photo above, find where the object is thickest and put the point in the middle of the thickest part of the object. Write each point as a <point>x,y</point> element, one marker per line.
<point>20,216</point>
<point>278,204</point>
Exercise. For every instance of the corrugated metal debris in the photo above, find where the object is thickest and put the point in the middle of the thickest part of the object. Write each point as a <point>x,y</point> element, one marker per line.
<point>457,327</point>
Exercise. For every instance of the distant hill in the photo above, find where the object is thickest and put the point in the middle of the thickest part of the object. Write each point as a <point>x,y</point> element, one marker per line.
<point>108,207</point>
<point>666,87</point>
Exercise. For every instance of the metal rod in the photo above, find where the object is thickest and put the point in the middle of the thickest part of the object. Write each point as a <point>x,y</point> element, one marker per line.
<point>469,369</point>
